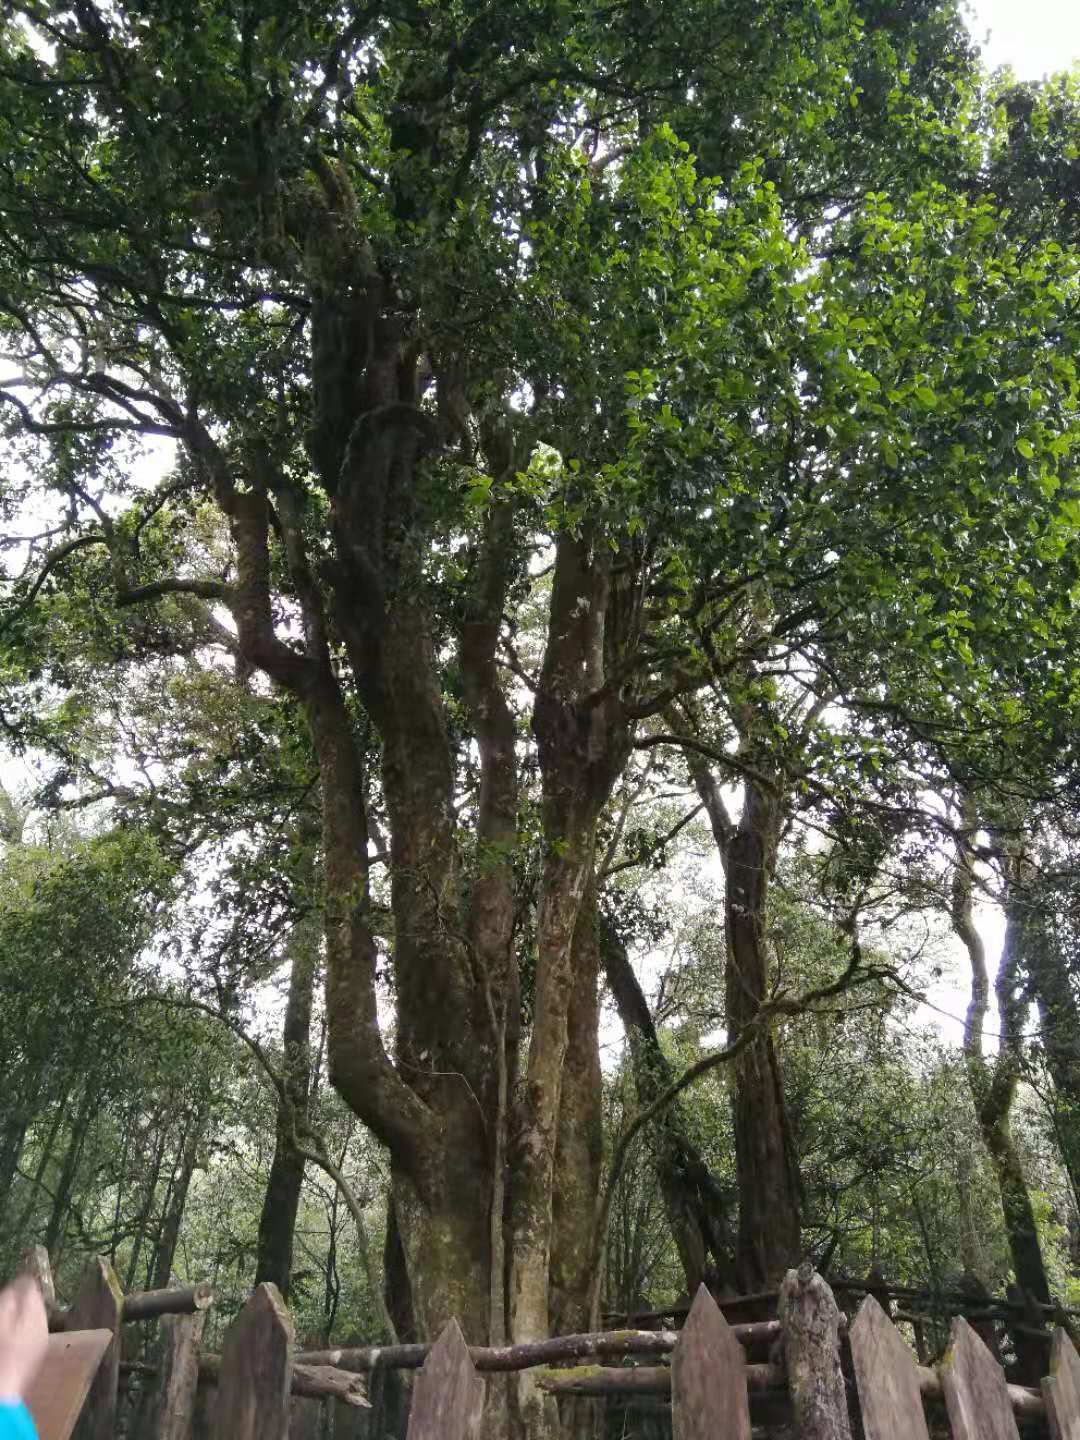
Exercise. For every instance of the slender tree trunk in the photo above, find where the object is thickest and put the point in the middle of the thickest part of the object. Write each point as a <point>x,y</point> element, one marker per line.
<point>993,1082</point>
<point>169,1235</point>
<point>44,1161</point>
<point>139,1237</point>
<point>12,1138</point>
<point>696,1203</point>
<point>769,1194</point>
<point>281,1200</point>
<point>68,1170</point>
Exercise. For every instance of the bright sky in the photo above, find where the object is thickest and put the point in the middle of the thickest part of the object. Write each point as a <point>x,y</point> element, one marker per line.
<point>1035,37</point>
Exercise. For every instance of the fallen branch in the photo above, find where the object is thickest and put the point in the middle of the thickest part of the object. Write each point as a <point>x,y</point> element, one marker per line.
<point>502,1358</point>
<point>643,1380</point>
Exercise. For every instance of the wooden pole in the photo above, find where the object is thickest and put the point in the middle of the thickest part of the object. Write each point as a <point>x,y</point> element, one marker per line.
<point>644,1380</point>
<point>149,1304</point>
<point>810,1318</point>
<point>488,1359</point>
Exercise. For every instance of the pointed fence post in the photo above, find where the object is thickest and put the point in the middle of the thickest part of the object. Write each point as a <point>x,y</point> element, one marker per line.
<point>98,1306</point>
<point>256,1371</point>
<point>708,1377</point>
<point>1061,1389</point>
<point>178,1376</point>
<point>885,1374</point>
<point>810,1319</point>
<point>448,1397</point>
<point>976,1395</point>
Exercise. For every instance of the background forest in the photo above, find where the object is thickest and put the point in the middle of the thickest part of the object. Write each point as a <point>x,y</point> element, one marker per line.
<point>540,623</point>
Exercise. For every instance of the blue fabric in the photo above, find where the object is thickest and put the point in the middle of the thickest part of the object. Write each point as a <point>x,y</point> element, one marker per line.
<point>15,1422</point>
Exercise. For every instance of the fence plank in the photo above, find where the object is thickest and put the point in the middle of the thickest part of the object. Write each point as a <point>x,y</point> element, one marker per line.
<point>306,1419</point>
<point>56,1394</point>
<point>810,1318</point>
<point>886,1378</point>
<point>708,1377</point>
<point>256,1371</point>
<point>98,1306</point>
<point>448,1399</point>
<point>178,1377</point>
<point>1061,1389</point>
<point>976,1395</point>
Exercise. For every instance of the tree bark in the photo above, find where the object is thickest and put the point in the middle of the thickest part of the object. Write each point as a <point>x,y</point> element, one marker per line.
<point>169,1234</point>
<point>769,1195</point>
<point>65,1181</point>
<point>1059,1032</point>
<point>580,1144</point>
<point>993,1082</point>
<point>696,1203</point>
<point>811,1323</point>
<point>281,1201</point>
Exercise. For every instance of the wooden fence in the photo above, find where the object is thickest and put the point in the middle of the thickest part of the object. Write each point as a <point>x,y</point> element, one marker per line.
<point>808,1369</point>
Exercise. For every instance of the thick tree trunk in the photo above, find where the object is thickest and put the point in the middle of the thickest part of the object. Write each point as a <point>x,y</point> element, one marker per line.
<point>281,1201</point>
<point>696,1203</point>
<point>583,738</point>
<point>769,1196</point>
<point>580,1145</point>
<point>579,1156</point>
<point>1059,1031</point>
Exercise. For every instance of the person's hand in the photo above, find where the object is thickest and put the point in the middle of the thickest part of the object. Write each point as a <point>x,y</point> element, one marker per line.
<point>24,1336</point>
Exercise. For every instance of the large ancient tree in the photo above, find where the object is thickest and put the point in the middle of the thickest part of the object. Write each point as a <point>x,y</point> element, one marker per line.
<point>593,323</point>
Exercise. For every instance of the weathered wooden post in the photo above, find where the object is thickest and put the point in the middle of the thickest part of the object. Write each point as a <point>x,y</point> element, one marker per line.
<point>448,1397</point>
<point>708,1377</point>
<point>1061,1389</point>
<point>976,1395</point>
<point>305,1418</point>
<point>35,1263</point>
<point>810,1319</point>
<point>99,1306</point>
<point>178,1376</point>
<point>888,1383</point>
<point>256,1371</point>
